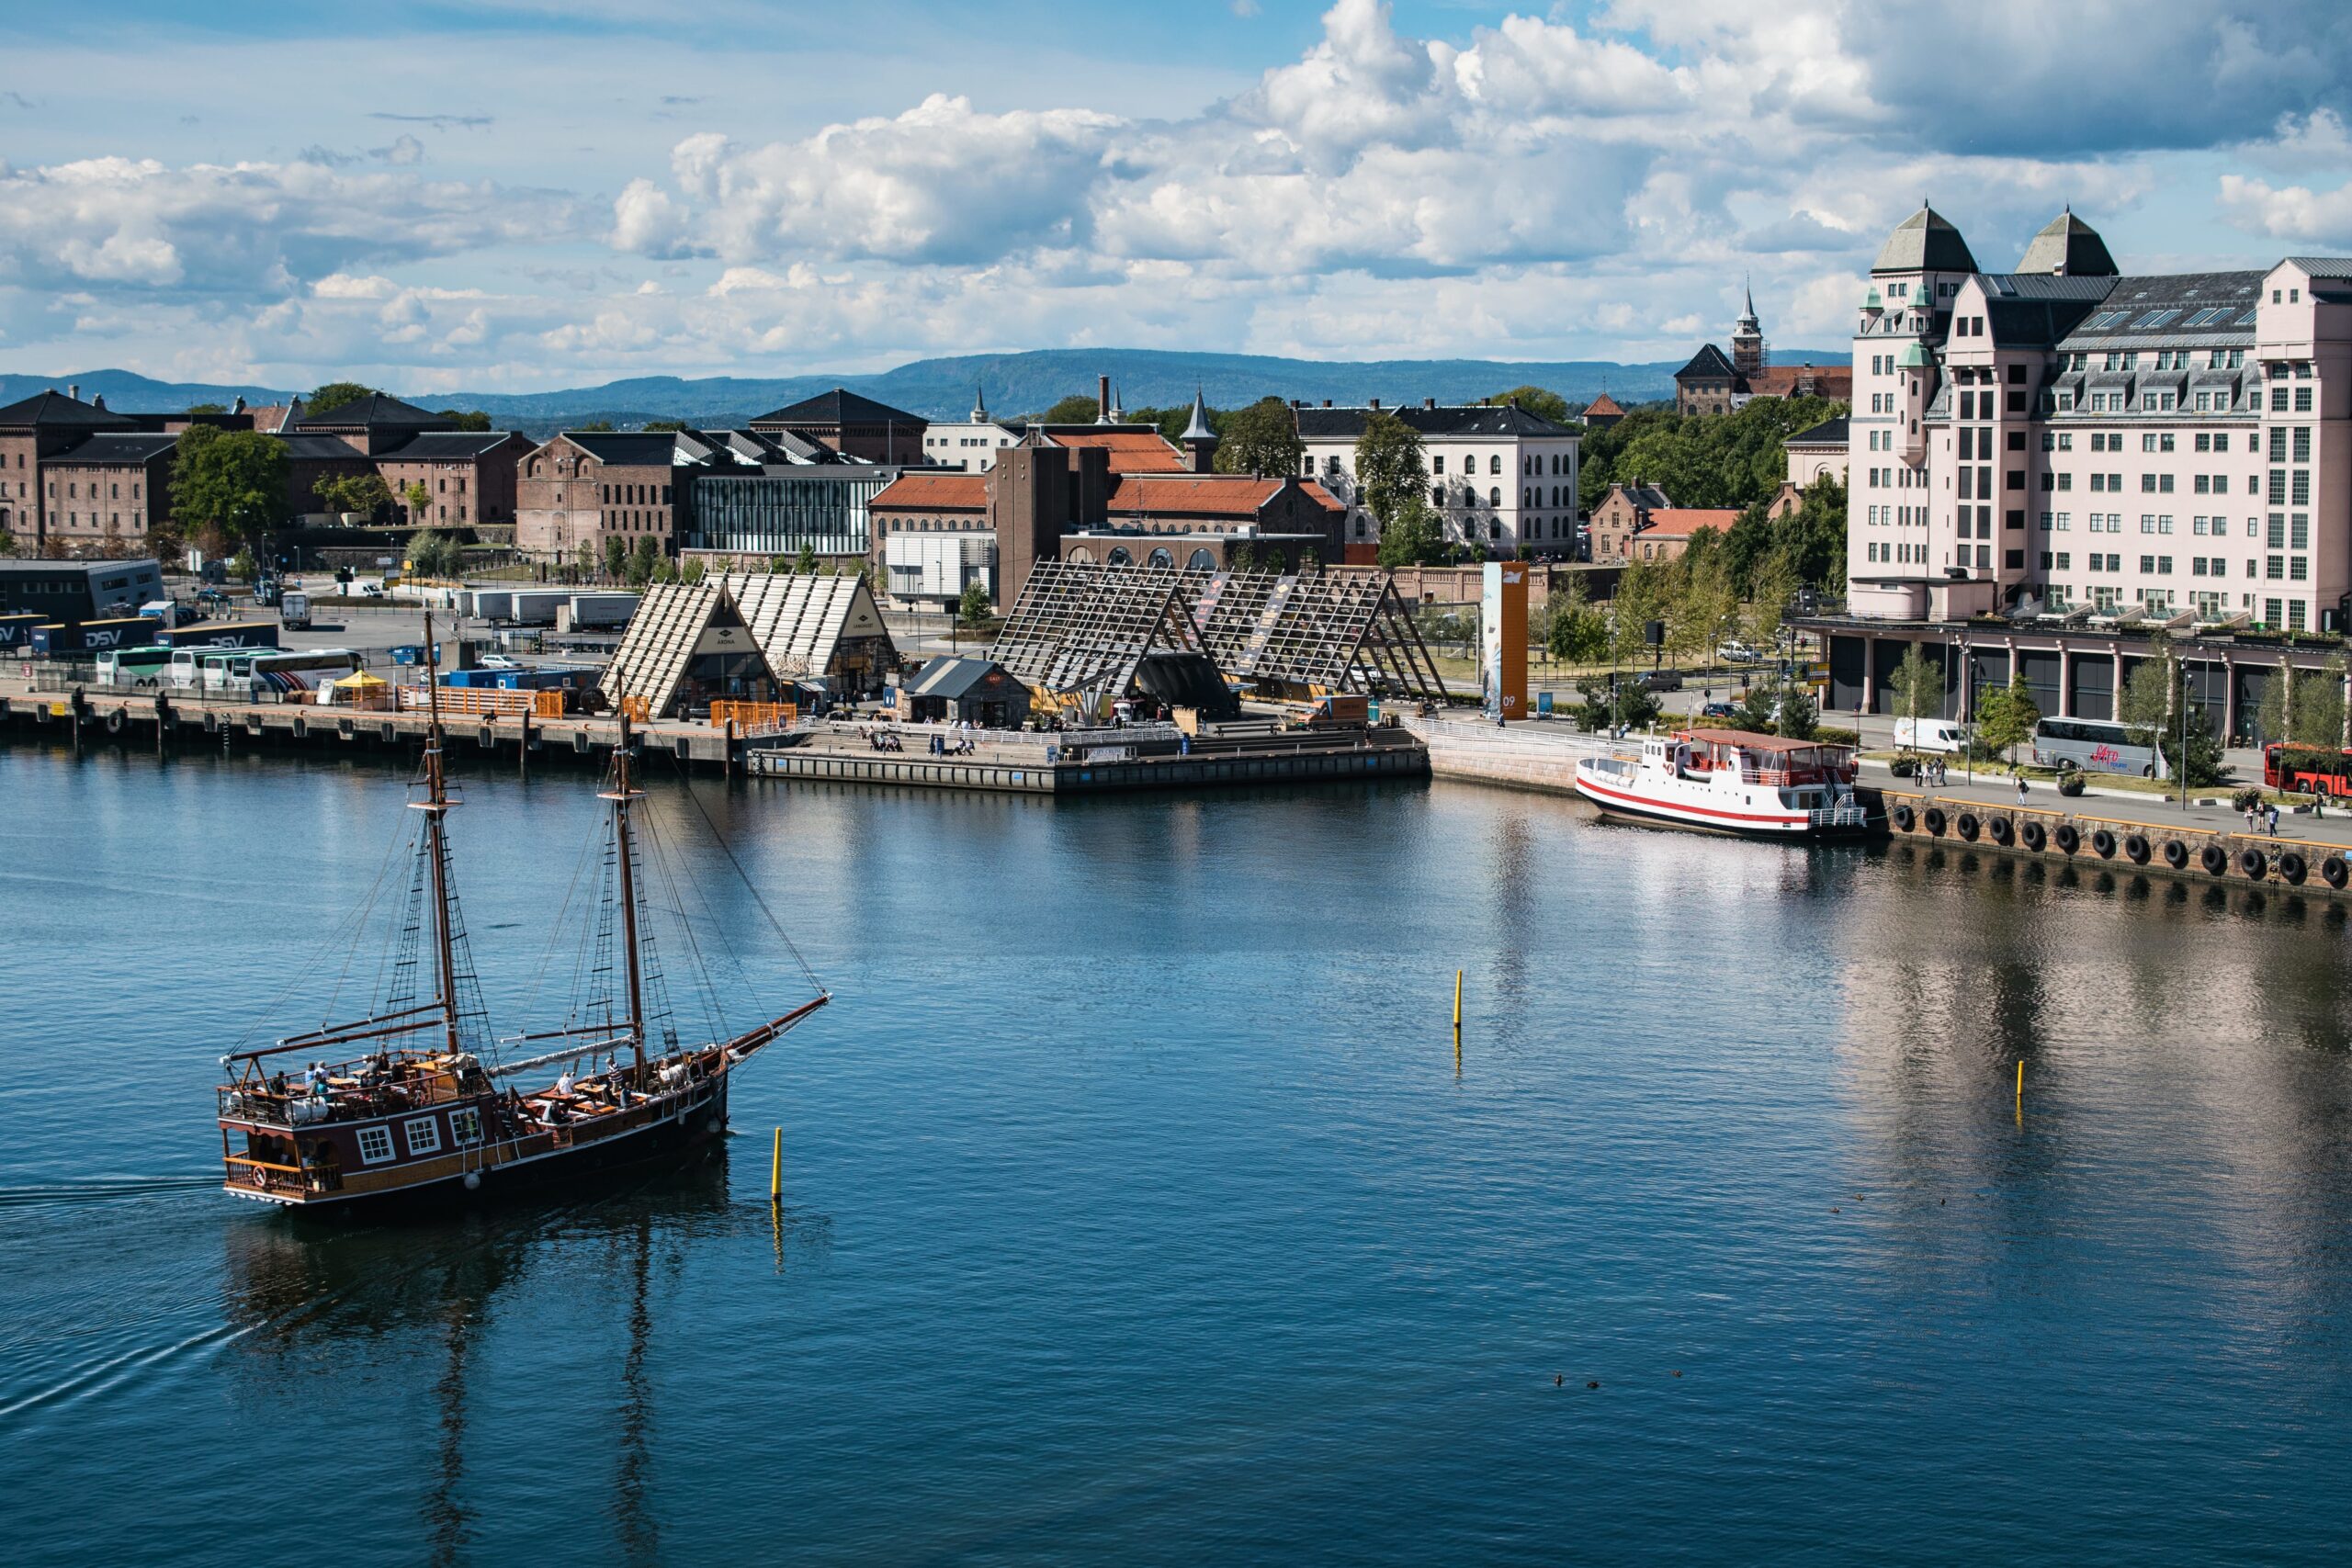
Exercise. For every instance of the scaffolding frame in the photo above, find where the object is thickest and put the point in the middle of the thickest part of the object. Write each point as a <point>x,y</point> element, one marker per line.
<point>1083,626</point>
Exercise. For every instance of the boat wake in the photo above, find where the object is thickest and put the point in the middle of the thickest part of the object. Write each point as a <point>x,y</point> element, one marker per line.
<point>102,1190</point>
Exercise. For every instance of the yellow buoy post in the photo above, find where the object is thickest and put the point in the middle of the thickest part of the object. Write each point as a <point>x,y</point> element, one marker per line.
<point>776,1171</point>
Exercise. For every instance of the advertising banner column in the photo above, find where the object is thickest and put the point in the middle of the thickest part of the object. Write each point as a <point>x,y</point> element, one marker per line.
<point>1502,625</point>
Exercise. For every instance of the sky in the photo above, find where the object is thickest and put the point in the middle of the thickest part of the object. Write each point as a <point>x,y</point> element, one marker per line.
<point>518,195</point>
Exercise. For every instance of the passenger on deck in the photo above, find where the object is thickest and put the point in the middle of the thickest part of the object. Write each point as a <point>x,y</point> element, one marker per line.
<point>563,1082</point>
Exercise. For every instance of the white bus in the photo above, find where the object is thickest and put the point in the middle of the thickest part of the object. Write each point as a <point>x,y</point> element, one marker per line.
<point>139,667</point>
<point>261,672</point>
<point>2094,745</point>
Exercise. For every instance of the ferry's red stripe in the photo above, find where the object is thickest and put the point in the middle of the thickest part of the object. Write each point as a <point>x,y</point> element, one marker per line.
<point>1585,783</point>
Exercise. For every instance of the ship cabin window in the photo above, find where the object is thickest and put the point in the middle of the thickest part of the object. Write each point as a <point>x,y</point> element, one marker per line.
<point>424,1134</point>
<point>465,1127</point>
<point>375,1145</point>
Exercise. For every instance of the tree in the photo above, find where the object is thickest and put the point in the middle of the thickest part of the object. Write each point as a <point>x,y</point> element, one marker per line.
<point>1575,633</point>
<point>9,550</point>
<point>1771,588</point>
<point>419,501</point>
<point>1704,607</point>
<point>1919,687</point>
<point>972,605</point>
<point>464,419</point>
<point>1414,536</point>
<point>692,572</point>
<point>1079,408</point>
<point>333,395</point>
<point>231,482</point>
<point>2007,718</point>
<point>1537,402</point>
<point>1778,707</point>
<point>783,564</point>
<point>2145,707</point>
<point>206,408</point>
<point>664,570</point>
<point>1614,700</point>
<point>657,426</point>
<point>806,562</point>
<point>432,554</point>
<point>1641,599</point>
<point>365,493</point>
<point>1262,439</point>
<point>1390,466</point>
<point>642,559</point>
<point>2314,717</point>
<point>615,555</point>
<point>593,424</point>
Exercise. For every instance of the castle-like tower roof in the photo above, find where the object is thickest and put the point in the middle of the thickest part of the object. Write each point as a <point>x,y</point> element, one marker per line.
<point>2069,247</point>
<point>1925,242</point>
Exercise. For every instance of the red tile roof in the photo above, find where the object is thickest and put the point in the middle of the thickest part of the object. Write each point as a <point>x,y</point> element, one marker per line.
<point>1603,404</point>
<point>1681,522</point>
<point>1131,451</point>
<point>1203,495</point>
<point>963,492</point>
<point>1788,381</point>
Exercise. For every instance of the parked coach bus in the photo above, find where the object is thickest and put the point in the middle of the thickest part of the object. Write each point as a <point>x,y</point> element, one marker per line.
<point>2309,769</point>
<point>139,667</point>
<point>263,673</point>
<point>2094,745</point>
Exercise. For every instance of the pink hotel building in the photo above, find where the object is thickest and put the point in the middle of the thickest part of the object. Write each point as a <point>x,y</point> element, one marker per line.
<point>2084,456</point>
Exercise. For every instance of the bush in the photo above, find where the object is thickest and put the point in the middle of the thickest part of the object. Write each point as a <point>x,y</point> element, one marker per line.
<point>1837,737</point>
<point>1905,767</point>
<point>2246,799</point>
<point>2070,783</point>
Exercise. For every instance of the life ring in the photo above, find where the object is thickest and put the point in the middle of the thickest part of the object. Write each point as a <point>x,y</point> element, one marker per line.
<point>1967,826</point>
<point>2176,853</point>
<point>2068,838</point>
<point>2292,868</point>
<point>2104,842</point>
<point>2214,859</point>
<point>1934,820</point>
<point>2252,864</point>
<point>1904,817</point>
<point>2135,846</point>
<point>2334,872</point>
<point>2034,835</point>
<point>114,722</point>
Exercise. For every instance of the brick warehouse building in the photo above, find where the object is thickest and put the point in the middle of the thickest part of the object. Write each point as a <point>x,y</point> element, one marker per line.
<point>853,426</point>
<point>582,487</point>
<point>469,475</point>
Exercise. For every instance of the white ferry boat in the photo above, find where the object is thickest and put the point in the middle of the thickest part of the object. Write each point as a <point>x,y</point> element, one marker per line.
<point>1727,781</point>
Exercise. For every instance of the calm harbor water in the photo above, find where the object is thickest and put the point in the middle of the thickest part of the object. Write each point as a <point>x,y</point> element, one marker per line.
<point>1134,1209</point>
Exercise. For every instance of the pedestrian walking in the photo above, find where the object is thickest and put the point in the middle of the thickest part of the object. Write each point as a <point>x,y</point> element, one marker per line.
<point>2021,789</point>
<point>2271,819</point>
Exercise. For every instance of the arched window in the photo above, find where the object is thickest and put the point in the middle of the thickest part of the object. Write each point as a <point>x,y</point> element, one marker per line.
<point>1201,560</point>
<point>1079,553</point>
<point>1495,496</point>
<point>1494,530</point>
<point>1119,556</point>
<point>1555,495</point>
<point>1161,557</point>
<point>1495,464</point>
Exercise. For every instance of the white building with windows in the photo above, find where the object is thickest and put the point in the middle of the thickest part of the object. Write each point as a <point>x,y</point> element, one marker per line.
<point>1500,478</point>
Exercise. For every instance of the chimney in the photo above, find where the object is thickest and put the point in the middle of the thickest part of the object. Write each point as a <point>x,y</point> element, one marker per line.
<point>74,391</point>
<point>1373,404</point>
<point>1429,402</point>
<point>100,402</point>
<point>239,406</point>
<point>1326,403</point>
<point>1102,397</point>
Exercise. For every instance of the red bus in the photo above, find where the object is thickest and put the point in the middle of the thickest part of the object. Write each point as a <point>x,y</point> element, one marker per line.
<point>2307,769</point>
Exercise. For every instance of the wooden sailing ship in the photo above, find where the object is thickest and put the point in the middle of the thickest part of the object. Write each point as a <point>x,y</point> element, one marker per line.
<point>414,1105</point>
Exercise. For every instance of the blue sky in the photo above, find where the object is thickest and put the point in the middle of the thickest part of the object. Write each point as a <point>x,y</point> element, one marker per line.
<point>526,195</point>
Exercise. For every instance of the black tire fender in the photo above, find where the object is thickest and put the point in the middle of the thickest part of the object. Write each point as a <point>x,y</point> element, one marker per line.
<point>2067,836</point>
<point>1934,820</point>
<point>2003,830</point>
<point>2135,848</point>
<point>2035,835</point>
<point>1966,825</point>
<point>2253,864</point>
<point>2104,842</point>
<point>2176,853</point>
<point>2213,859</point>
<point>2292,868</point>
<point>2334,872</point>
<point>1904,817</point>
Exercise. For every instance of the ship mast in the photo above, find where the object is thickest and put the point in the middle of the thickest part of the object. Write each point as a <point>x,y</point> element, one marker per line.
<point>620,795</point>
<point>436,806</point>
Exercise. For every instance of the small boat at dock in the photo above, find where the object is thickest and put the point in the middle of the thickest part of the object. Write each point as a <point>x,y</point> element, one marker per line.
<point>1729,780</point>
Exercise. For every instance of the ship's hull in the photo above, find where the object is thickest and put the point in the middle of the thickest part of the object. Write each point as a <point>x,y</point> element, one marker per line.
<point>1697,815</point>
<point>671,1138</point>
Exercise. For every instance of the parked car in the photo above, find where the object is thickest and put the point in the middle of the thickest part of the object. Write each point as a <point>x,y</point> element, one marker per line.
<point>1662,680</point>
<point>1718,710</point>
<point>496,661</point>
<point>1738,653</point>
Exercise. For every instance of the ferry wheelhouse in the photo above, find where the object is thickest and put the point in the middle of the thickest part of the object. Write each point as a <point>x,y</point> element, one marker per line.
<point>414,1103</point>
<point>1728,781</point>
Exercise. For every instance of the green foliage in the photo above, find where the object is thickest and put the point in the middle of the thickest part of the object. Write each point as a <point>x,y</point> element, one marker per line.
<point>2316,716</point>
<point>593,425</point>
<point>2005,719</point>
<point>692,572</point>
<point>464,419</point>
<point>643,559</point>
<point>1702,607</point>
<point>972,608</point>
<point>1919,686</point>
<point>1641,599</point>
<point>671,425</point>
<point>1260,439</point>
<point>9,550</point>
<point>1542,404</point>
<point>363,493</point>
<point>1413,536</point>
<point>206,408</point>
<point>333,395</point>
<point>418,500</point>
<point>1390,466</point>
<point>2204,766</point>
<point>804,563</point>
<point>664,570</point>
<point>615,555</point>
<point>1731,459</point>
<point>434,554</point>
<point>1575,632</point>
<point>1772,586</point>
<point>1623,699</point>
<point>229,481</point>
<point>1815,535</point>
<point>781,564</point>
<point>242,567</point>
<point>1775,706</point>
<point>1079,408</point>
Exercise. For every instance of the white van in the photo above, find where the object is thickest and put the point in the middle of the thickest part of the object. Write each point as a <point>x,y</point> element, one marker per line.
<point>1948,736</point>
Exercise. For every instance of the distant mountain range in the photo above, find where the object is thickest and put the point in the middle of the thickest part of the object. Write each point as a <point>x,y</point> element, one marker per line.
<point>943,389</point>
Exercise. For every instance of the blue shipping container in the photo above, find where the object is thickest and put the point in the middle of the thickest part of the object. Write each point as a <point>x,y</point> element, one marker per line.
<point>16,631</point>
<point>93,636</point>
